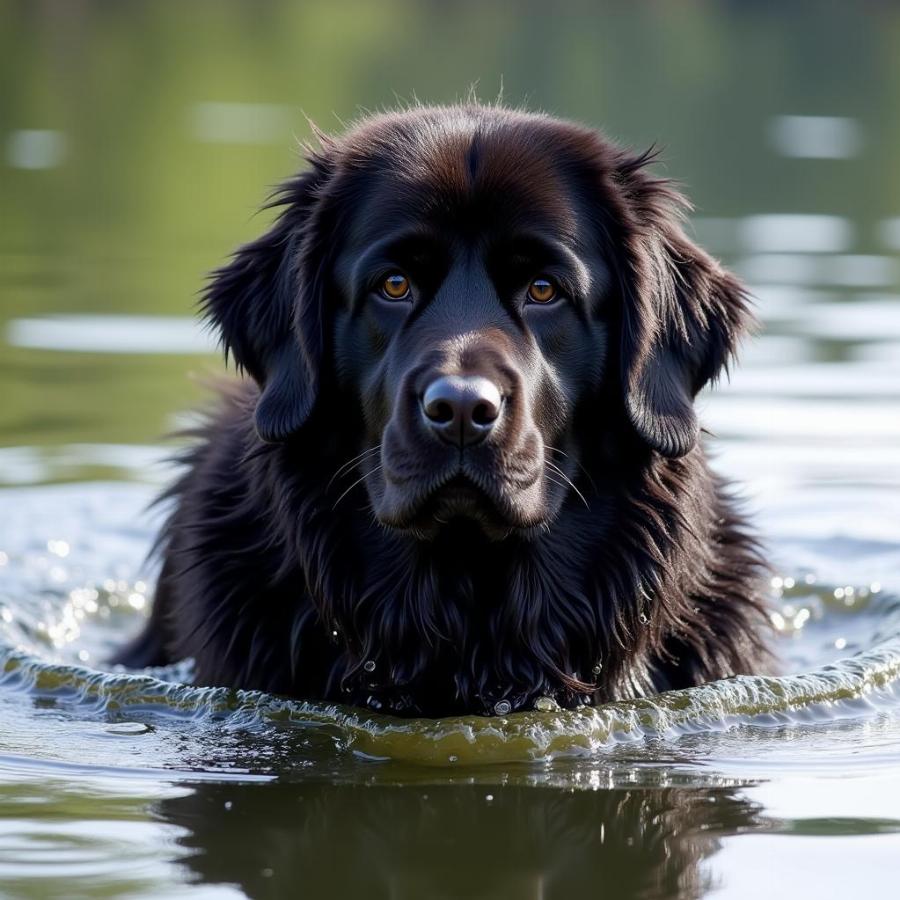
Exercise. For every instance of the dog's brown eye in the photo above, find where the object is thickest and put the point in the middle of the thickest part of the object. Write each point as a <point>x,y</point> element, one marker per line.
<point>541,290</point>
<point>395,286</point>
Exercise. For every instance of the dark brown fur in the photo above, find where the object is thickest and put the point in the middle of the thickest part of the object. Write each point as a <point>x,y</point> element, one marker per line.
<point>602,559</point>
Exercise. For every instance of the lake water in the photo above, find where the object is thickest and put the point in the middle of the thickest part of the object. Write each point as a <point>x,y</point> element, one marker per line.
<point>136,140</point>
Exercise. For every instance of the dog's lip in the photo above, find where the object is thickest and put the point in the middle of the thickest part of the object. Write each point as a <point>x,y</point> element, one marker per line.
<point>458,494</point>
<point>460,500</point>
<point>410,496</point>
<point>455,496</point>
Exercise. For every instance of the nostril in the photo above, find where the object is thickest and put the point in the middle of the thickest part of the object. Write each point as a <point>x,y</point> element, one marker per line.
<point>440,412</point>
<point>485,413</point>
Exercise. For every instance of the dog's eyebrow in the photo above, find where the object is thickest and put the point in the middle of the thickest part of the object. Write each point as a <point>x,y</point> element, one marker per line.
<point>413,245</point>
<point>548,251</point>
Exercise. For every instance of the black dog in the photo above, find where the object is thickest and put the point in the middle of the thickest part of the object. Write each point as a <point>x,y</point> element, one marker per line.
<point>466,472</point>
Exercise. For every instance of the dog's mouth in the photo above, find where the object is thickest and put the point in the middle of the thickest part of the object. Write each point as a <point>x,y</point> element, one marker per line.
<point>495,491</point>
<point>453,502</point>
<point>459,500</point>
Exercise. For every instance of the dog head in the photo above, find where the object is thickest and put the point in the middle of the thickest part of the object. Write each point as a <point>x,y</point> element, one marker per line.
<point>474,295</point>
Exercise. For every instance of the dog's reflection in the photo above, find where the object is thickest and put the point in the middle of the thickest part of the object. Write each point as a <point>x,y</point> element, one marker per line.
<point>454,841</point>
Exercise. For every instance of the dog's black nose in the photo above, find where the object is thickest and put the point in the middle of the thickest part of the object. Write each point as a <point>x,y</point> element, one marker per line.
<point>461,409</point>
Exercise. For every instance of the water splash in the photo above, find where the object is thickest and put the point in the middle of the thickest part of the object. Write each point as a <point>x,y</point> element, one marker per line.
<point>846,688</point>
<point>66,601</point>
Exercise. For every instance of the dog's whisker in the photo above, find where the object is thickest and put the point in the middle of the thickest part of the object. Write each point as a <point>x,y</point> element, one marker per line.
<point>356,459</point>
<point>363,477</point>
<point>577,463</point>
<point>347,465</point>
<point>568,481</point>
<point>554,481</point>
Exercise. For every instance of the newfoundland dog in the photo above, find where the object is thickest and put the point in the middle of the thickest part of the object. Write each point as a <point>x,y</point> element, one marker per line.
<point>465,471</point>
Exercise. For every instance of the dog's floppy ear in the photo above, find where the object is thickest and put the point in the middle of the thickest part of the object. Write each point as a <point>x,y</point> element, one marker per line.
<point>682,316</point>
<point>265,306</point>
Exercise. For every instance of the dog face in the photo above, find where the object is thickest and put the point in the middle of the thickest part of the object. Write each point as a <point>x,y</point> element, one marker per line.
<point>474,296</point>
<point>468,326</point>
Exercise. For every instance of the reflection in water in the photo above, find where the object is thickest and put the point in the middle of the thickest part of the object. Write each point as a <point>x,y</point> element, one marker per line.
<point>816,137</point>
<point>35,149</point>
<point>797,232</point>
<point>111,334</point>
<point>454,840</point>
<point>242,123</point>
<point>60,839</point>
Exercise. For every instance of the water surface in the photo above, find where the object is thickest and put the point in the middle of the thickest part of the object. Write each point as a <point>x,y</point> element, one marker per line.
<point>137,140</point>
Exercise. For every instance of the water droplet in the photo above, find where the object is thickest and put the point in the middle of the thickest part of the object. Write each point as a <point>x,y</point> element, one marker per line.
<point>502,707</point>
<point>643,618</point>
<point>452,758</point>
<point>546,704</point>
<point>374,703</point>
<point>598,668</point>
<point>489,797</point>
<point>228,804</point>
<point>369,665</point>
<point>840,643</point>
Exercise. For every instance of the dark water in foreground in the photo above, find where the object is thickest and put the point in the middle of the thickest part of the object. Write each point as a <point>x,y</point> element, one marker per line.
<point>136,141</point>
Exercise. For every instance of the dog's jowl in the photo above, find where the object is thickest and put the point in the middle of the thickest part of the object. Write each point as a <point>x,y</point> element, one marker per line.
<point>463,469</point>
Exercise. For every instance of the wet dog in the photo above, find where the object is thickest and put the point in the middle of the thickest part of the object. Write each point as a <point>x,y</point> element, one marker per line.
<point>464,471</point>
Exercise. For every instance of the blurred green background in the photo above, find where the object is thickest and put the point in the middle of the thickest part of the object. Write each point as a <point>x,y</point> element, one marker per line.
<point>138,140</point>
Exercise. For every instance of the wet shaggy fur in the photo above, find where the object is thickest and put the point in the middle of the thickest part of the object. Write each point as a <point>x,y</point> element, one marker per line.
<point>622,568</point>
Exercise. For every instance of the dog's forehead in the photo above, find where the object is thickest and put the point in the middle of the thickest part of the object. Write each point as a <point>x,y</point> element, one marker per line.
<point>462,174</point>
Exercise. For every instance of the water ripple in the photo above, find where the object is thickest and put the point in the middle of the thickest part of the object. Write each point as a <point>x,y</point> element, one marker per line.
<point>847,688</point>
